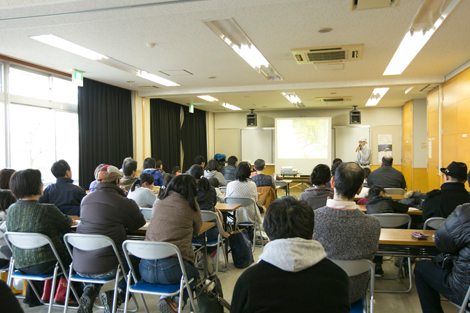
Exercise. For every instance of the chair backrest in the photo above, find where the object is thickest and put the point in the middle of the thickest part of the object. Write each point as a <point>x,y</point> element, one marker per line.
<point>394,191</point>
<point>31,241</point>
<point>434,222</point>
<point>392,220</point>
<point>146,212</point>
<point>244,201</point>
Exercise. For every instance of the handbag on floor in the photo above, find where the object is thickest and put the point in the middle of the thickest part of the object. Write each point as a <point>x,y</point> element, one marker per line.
<point>210,296</point>
<point>240,245</point>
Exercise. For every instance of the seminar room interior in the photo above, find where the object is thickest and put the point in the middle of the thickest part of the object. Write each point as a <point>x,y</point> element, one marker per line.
<point>144,66</point>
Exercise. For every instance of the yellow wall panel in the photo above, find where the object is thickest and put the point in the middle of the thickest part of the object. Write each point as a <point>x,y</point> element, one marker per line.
<point>449,119</point>
<point>420,179</point>
<point>457,88</point>
<point>433,100</point>
<point>433,176</point>
<point>449,149</point>
<point>463,116</point>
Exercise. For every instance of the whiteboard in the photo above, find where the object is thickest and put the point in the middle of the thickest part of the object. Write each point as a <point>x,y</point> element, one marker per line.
<point>347,140</point>
<point>257,143</point>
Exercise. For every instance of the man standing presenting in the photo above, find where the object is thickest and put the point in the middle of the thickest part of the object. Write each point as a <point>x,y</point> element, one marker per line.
<point>364,155</point>
<point>386,176</point>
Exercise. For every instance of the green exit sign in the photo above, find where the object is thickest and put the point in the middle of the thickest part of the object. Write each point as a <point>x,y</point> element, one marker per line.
<point>191,108</point>
<point>77,78</point>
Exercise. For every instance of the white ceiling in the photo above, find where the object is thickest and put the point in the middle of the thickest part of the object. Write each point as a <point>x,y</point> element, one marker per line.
<point>274,26</point>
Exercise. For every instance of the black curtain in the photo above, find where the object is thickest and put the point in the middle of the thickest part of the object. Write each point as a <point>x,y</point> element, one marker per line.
<point>165,132</point>
<point>105,127</point>
<point>193,136</point>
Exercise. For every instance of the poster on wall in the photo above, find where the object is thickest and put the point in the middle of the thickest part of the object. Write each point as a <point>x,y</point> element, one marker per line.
<point>384,146</point>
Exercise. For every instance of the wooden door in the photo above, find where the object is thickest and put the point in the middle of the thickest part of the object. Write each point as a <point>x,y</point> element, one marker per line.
<point>407,143</point>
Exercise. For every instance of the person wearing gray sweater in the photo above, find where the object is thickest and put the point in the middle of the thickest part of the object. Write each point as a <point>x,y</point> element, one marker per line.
<point>345,232</point>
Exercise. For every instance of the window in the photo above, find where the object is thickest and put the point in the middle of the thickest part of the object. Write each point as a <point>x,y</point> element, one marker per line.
<point>64,91</point>
<point>29,84</point>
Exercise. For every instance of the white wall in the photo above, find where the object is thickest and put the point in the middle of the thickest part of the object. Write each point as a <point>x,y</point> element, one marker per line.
<point>420,158</point>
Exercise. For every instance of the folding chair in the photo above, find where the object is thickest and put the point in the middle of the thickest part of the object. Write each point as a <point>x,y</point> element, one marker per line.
<point>434,222</point>
<point>393,220</point>
<point>394,191</point>
<point>32,241</point>
<point>208,216</point>
<point>90,243</point>
<point>152,250</point>
<point>247,202</point>
<point>146,212</point>
<point>464,307</point>
<point>356,267</point>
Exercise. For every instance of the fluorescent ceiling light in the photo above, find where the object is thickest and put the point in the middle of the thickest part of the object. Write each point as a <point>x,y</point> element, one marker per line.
<point>419,33</point>
<point>90,54</point>
<point>208,98</point>
<point>231,107</point>
<point>294,99</point>
<point>407,90</point>
<point>156,79</point>
<point>376,96</point>
<point>69,46</point>
<point>231,33</point>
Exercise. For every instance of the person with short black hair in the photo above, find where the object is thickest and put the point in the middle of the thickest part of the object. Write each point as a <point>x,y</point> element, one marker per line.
<point>242,186</point>
<point>141,191</point>
<point>317,195</point>
<point>200,160</point>
<point>63,194</point>
<point>129,169</point>
<point>229,170</point>
<point>150,166</point>
<point>176,219</point>
<point>442,202</point>
<point>380,203</point>
<point>294,261</point>
<point>215,183</point>
<point>260,179</point>
<point>212,170</point>
<point>206,194</point>
<point>345,232</point>
<point>5,175</point>
<point>28,215</point>
<point>386,176</point>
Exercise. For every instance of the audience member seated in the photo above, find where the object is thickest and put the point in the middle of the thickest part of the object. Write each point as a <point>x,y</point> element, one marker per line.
<point>242,186</point>
<point>212,170</point>
<point>345,232</point>
<point>129,169</point>
<point>220,158</point>
<point>5,175</point>
<point>452,278</point>
<point>175,171</point>
<point>6,199</point>
<point>176,218</point>
<point>92,186</point>
<point>63,194</point>
<point>159,166</point>
<point>293,273</point>
<point>108,213</point>
<point>380,203</point>
<point>150,166</point>
<point>333,171</point>
<point>229,170</point>
<point>206,194</point>
<point>386,176</point>
<point>142,191</point>
<point>215,183</point>
<point>8,299</point>
<point>441,203</point>
<point>262,180</point>
<point>200,160</point>
<point>30,216</point>
<point>317,195</point>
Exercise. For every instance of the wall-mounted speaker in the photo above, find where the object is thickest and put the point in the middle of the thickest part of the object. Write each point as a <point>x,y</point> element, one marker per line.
<point>354,117</point>
<point>251,119</point>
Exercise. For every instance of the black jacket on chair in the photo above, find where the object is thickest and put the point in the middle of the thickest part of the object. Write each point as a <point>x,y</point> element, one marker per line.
<point>453,237</point>
<point>385,205</point>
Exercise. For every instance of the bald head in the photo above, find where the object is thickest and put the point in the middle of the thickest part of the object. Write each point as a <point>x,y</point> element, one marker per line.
<point>387,160</point>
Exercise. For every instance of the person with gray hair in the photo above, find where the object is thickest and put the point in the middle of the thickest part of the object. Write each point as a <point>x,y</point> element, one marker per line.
<point>345,232</point>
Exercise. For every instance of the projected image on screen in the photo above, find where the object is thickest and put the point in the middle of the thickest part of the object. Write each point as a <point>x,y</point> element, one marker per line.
<point>302,138</point>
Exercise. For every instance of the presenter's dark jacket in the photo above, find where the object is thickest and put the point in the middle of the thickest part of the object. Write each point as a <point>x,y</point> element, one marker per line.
<point>64,195</point>
<point>441,203</point>
<point>452,238</point>
<point>385,205</point>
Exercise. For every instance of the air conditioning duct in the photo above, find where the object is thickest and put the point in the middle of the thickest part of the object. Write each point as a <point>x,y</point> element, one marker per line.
<point>329,54</point>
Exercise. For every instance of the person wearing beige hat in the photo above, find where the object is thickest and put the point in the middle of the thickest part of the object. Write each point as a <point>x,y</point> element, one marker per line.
<point>442,202</point>
<point>105,212</point>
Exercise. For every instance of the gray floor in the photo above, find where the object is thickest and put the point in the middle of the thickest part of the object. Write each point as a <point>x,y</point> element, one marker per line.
<point>384,302</point>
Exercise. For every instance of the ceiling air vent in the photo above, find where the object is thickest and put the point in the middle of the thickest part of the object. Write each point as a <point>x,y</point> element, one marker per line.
<point>148,87</point>
<point>328,54</point>
<point>357,5</point>
<point>334,100</point>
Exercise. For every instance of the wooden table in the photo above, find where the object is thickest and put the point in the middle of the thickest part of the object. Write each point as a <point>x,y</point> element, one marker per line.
<point>398,242</point>
<point>394,197</point>
<point>228,207</point>
<point>411,211</point>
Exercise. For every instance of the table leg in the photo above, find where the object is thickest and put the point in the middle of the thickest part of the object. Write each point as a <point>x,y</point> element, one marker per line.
<point>204,240</point>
